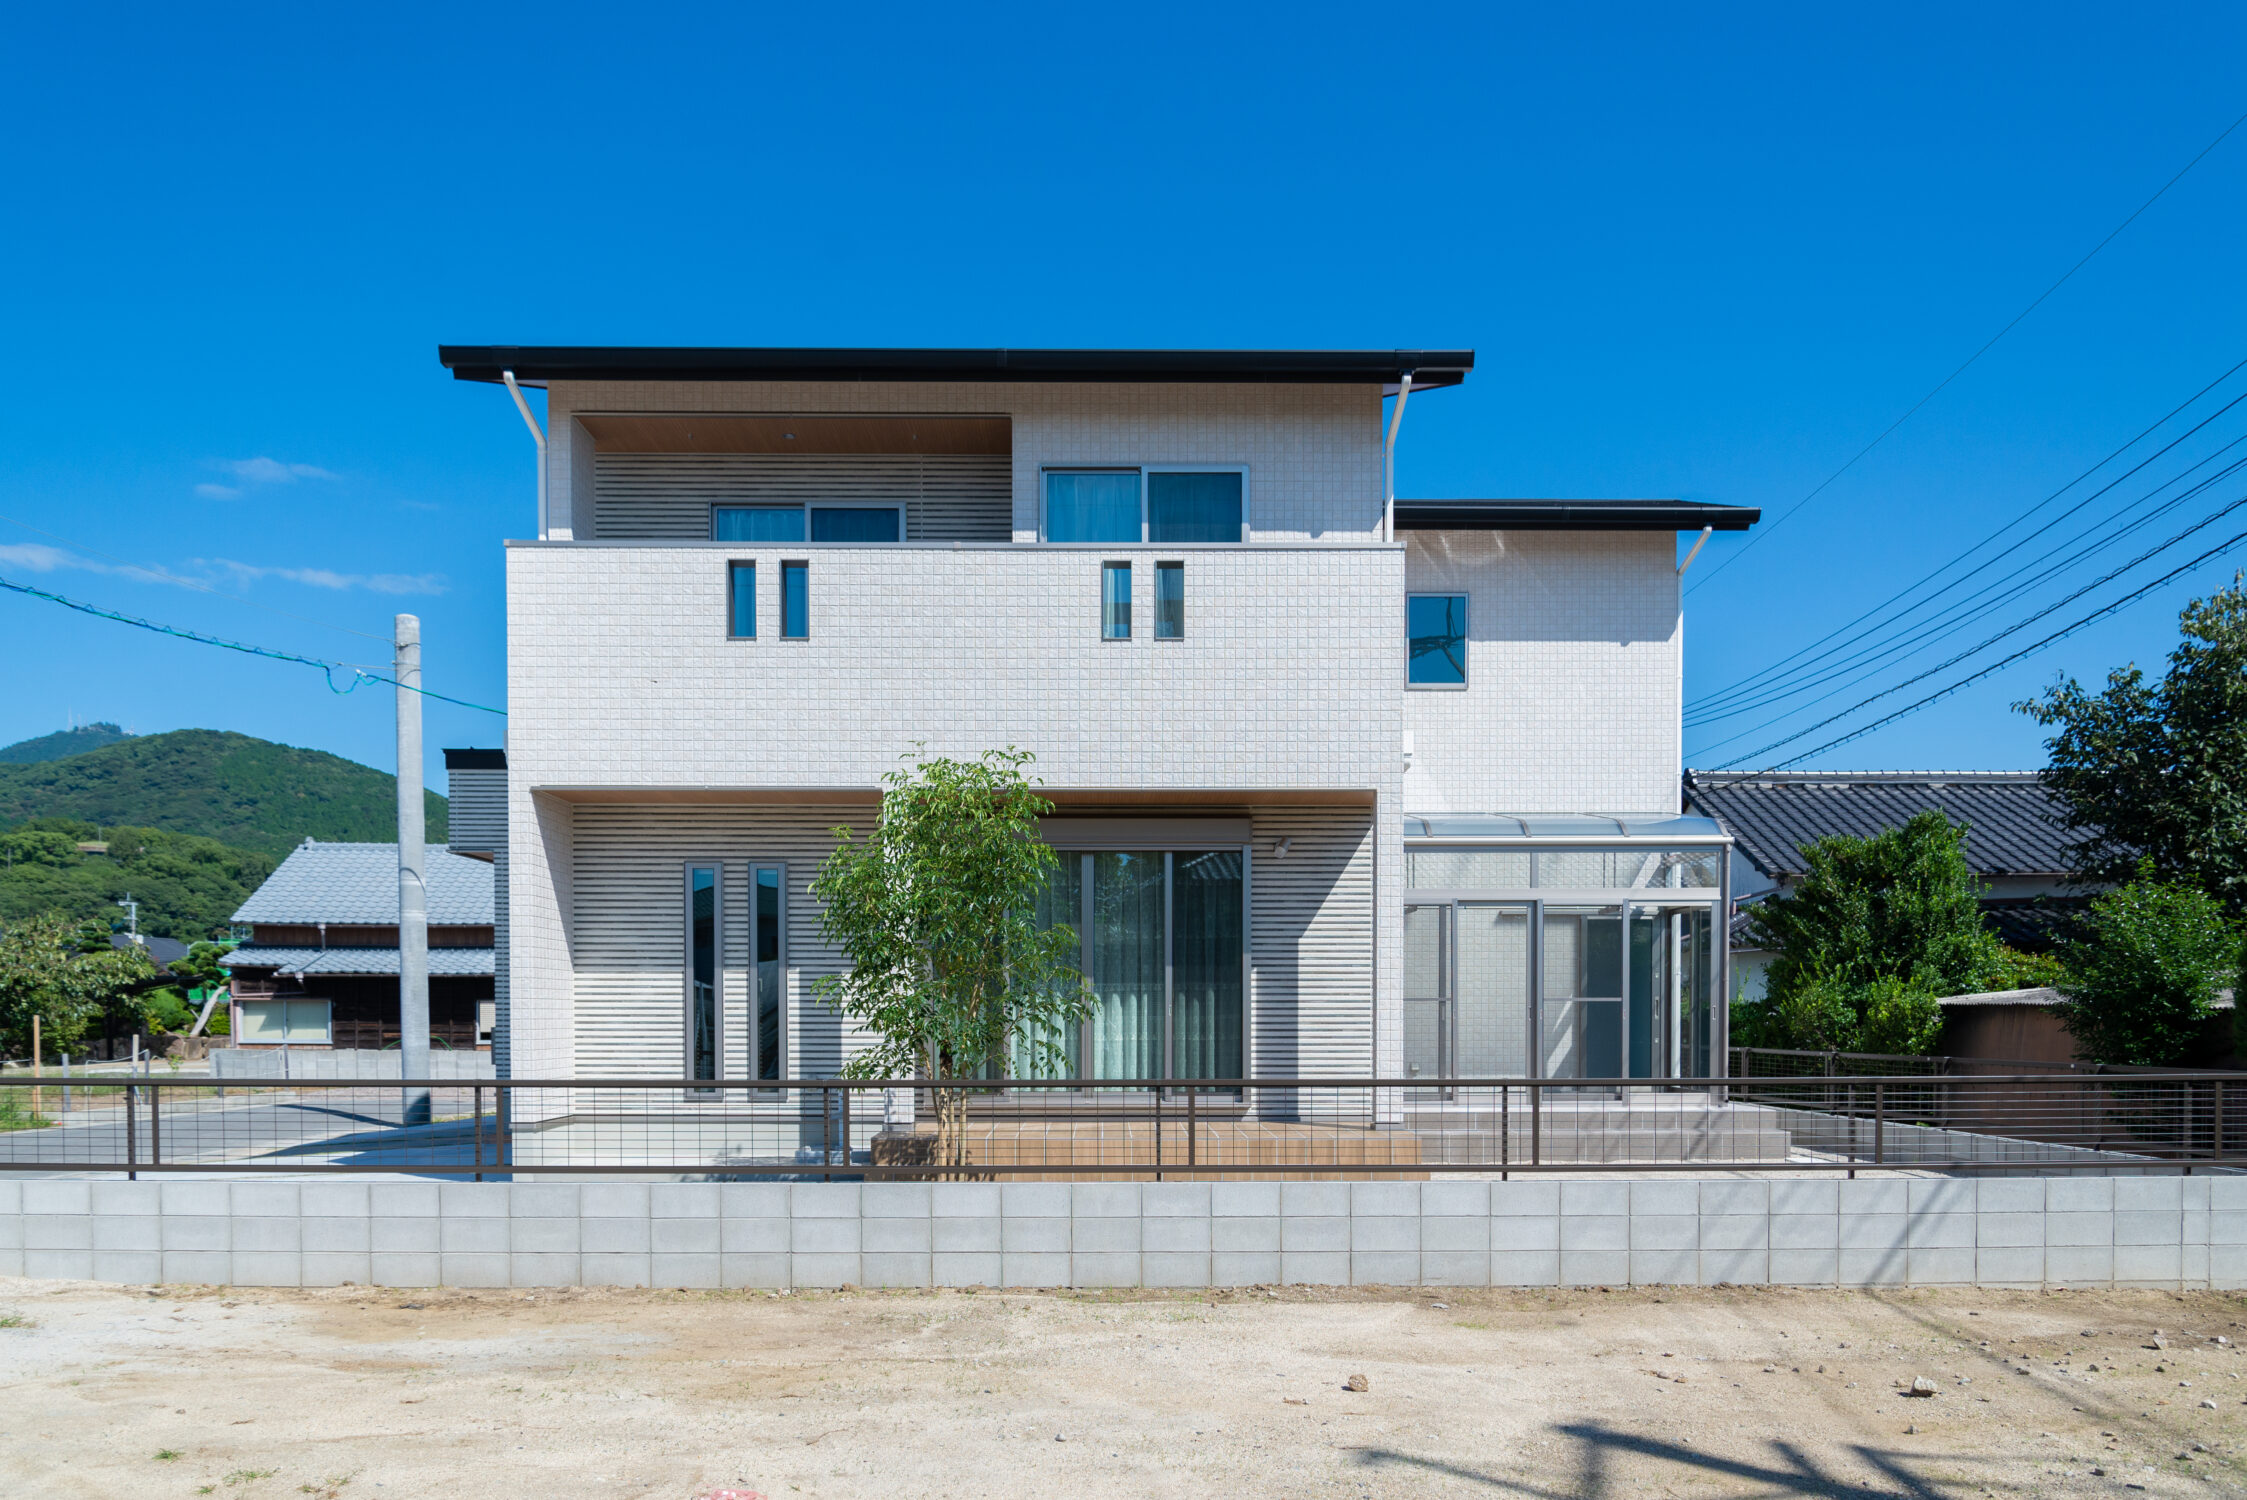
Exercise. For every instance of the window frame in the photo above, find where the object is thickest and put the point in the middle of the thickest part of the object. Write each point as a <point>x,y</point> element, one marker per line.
<point>753,1055</point>
<point>735,566</point>
<point>805,508</point>
<point>717,869</point>
<point>1108,570</point>
<point>1176,567</point>
<point>1466,634</point>
<point>1142,471</point>
<point>801,566</point>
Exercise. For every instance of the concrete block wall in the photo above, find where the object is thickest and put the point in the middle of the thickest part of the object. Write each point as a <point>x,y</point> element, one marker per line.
<point>2075,1231</point>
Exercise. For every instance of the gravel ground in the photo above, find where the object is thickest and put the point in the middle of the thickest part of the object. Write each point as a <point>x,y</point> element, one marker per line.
<point>180,1391</point>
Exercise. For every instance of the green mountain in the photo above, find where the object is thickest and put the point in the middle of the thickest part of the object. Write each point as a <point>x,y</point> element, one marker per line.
<point>187,887</point>
<point>248,793</point>
<point>61,743</point>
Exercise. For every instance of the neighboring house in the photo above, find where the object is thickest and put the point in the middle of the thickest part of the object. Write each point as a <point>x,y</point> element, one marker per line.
<point>2014,841</point>
<point>1343,787</point>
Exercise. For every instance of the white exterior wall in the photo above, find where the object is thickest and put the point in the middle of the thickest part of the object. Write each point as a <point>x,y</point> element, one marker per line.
<point>1574,651</point>
<point>1313,451</point>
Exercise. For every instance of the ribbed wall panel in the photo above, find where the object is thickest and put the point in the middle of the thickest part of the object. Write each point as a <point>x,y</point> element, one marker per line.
<point>963,497</point>
<point>1311,942</point>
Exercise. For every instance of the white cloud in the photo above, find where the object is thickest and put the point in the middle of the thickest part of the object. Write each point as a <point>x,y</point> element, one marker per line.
<point>217,491</point>
<point>37,557</point>
<point>328,578</point>
<point>271,471</point>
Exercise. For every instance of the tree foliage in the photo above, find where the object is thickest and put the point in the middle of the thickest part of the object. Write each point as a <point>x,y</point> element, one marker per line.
<point>936,912</point>
<point>71,978</point>
<point>1874,934</point>
<point>2158,770</point>
<point>188,887</point>
<point>2143,974</point>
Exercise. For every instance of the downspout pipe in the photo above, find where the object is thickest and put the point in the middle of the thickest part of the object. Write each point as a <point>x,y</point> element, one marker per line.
<point>537,437</point>
<point>1696,552</point>
<point>1389,462</point>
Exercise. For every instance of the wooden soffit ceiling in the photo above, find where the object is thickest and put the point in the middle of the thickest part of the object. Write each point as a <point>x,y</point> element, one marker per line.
<point>635,432</point>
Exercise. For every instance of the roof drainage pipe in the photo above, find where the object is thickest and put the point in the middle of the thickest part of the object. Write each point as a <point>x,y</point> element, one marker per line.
<point>1389,463</point>
<point>537,437</point>
<point>1696,552</point>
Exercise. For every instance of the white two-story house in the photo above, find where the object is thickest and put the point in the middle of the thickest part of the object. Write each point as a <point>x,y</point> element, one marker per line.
<point>1345,786</point>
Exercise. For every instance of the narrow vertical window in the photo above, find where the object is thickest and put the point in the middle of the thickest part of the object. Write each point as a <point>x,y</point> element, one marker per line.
<point>741,600</point>
<point>1170,601</point>
<point>771,975</point>
<point>1436,630</point>
<point>1115,601</point>
<point>795,600</point>
<point>702,971</point>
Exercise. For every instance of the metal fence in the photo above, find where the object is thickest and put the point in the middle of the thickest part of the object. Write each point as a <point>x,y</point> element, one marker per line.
<point>1056,1130</point>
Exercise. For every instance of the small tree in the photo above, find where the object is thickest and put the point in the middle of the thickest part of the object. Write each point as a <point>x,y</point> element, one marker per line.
<point>2142,979</point>
<point>936,912</point>
<point>52,968</point>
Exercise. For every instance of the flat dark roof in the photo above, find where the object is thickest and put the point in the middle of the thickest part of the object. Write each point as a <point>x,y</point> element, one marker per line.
<point>1572,515</point>
<point>475,760</point>
<point>540,365</point>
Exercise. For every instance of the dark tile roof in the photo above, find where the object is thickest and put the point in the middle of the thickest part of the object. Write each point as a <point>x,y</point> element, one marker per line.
<point>442,961</point>
<point>1773,814</point>
<point>358,883</point>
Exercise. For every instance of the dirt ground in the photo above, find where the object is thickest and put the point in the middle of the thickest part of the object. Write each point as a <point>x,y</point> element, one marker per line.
<point>355,1393</point>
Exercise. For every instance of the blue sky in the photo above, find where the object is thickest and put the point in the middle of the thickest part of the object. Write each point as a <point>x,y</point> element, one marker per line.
<point>1705,254</point>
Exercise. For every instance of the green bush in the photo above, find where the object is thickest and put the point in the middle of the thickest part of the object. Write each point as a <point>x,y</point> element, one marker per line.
<point>2029,971</point>
<point>2143,978</point>
<point>1899,1016</point>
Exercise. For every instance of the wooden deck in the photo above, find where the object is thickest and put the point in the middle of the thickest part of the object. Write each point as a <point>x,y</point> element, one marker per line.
<point>1324,1153</point>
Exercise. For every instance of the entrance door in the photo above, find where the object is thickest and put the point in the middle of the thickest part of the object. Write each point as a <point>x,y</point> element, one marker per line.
<point>1427,991</point>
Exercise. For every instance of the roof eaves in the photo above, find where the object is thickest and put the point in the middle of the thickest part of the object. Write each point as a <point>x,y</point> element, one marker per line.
<point>542,364</point>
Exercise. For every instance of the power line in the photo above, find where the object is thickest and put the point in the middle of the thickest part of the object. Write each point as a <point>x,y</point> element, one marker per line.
<point>1788,513</point>
<point>1913,708</point>
<point>359,674</point>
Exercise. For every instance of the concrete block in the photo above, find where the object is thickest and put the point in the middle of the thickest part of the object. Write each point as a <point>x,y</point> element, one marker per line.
<point>966,1268</point>
<point>472,1268</point>
<point>270,1268</point>
<point>265,1200</point>
<point>2149,1194</point>
<point>614,1268</point>
<point>130,1267</point>
<point>406,1269</point>
<point>1453,1197</point>
<point>2226,1226</point>
<point>2089,1228</point>
<point>269,1236</point>
<point>763,1271</point>
<point>1176,1236</point>
<point>473,1200</point>
<point>1666,1267</point>
<point>1034,1236</point>
<point>1104,1200</point>
<point>542,1200</point>
<point>896,1236</point>
<point>2227,1194</point>
<point>1175,1200</point>
<point>1665,1231</point>
<point>894,1268</point>
<point>201,1267</point>
<point>58,1232</point>
<point>686,1236</point>
<point>2149,1226</point>
<point>1730,1199</point>
<point>1308,1235</point>
<point>2009,1195</point>
<point>964,1200</point>
<point>1519,1200</point>
<point>557,1236</point>
<point>1872,1195</point>
<point>1175,1269</point>
<point>211,1199</point>
<point>613,1200</point>
<point>1035,1200</point>
<point>753,1200</point>
<point>1242,1236</point>
<point>2196,1226</point>
<point>477,1236</point>
<point>692,1271</point>
<point>1594,1199</point>
<point>1449,1235</point>
<point>11,1197</point>
<point>1315,1200</point>
<point>1104,1236</point>
<point>1870,1266</point>
<point>684,1200</point>
<point>1874,1233</point>
<point>1262,1268</point>
<point>1259,1200</point>
<point>1941,1231</point>
<point>1939,1195</point>
<point>1315,1268</point>
<point>1391,1232</point>
<point>2194,1192</point>
<point>128,1232</point>
<point>1944,1265</point>
<point>613,1235</point>
<point>1606,1232</point>
<point>833,1236</point>
<point>2009,1230</point>
<point>1041,1268</point>
<point>541,1268</point>
<point>2079,1265</point>
<point>11,1236</point>
<point>1382,1199</point>
<point>1591,1267</point>
<point>965,1236</point>
<point>2194,1272</point>
<point>1455,1268</point>
<point>2227,1265</point>
<point>1804,1266</point>
<point>54,1197</point>
<point>823,1200</point>
<point>894,1200</point>
<point>2079,1195</point>
<point>203,1232</point>
<point>2149,1265</point>
<point>1667,1198</point>
<point>340,1268</point>
<point>1384,1268</point>
<point>402,1200</point>
<point>2009,1265</point>
<point>1735,1267</point>
<point>1526,1233</point>
<point>126,1198</point>
<point>1104,1268</point>
<point>1805,1196</point>
<point>1525,1268</point>
<point>1805,1232</point>
<point>767,1236</point>
<point>335,1200</point>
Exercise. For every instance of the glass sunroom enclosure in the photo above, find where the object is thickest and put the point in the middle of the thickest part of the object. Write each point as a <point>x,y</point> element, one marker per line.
<point>1565,947</point>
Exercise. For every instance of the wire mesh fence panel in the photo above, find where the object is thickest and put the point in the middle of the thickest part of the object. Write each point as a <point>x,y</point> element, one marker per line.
<point>1148,1129</point>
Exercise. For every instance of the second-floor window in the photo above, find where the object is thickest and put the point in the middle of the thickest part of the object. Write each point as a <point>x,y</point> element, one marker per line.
<point>1161,505</point>
<point>1115,601</point>
<point>1436,633</point>
<point>795,601</point>
<point>807,523</point>
<point>741,600</point>
<point>1170,601</point>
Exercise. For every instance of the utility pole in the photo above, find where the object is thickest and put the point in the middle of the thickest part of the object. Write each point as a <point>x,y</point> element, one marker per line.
<point>413,902</point>
<point>132,914</point>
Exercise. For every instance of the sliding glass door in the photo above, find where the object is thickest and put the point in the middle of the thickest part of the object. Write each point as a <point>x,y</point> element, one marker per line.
<point>1467,983</point>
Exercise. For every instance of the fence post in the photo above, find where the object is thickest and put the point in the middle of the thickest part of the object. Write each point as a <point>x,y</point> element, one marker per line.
<point>1536,1123</point>
<point>2216,1144</point>
<point>1849,1121</point>
<point>845,1113</point>
<point>1158,1132</point>
<point>476,1111</point>
<point>155,1124</point>
<point>1880,1119</point>
<point>132,1136</point>
<point>1505,1130</point>
<point>1192,1155</point>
